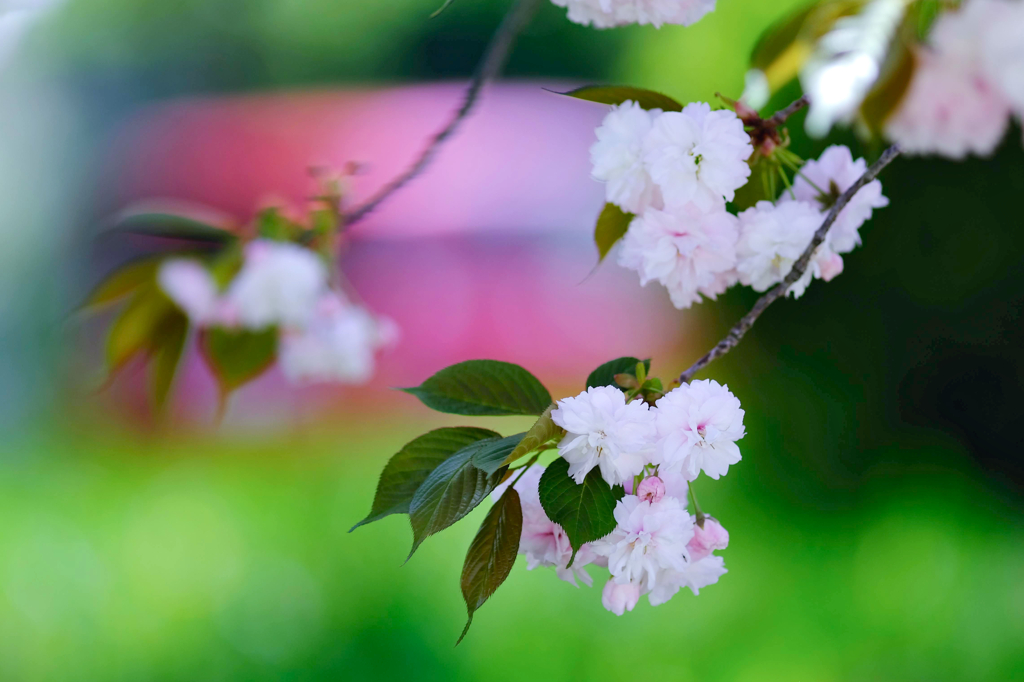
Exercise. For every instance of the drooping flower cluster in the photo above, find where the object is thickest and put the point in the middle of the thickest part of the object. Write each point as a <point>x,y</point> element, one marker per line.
<point>675,171</point>
<point>657,546</point>
<point>609,13</point>
<point>544,542</point>
<point>281,285</point>
<point>968,82</point>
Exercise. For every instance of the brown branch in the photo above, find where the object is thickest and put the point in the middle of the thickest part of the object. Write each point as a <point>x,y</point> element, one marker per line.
<point>799,267</point>
<point>491,64</point>
<point>780,116</point>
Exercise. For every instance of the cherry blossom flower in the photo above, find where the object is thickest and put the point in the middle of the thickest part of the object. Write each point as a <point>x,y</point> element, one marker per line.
<point>698,425</point>
<point>698,155</point>
<point>608,13</point>
<point>772,238</point>
<point>948,111</point>
<point>820,182</point>
<point>651,489</point>
<point>707,539</point>
<point>952,106</point>
<point>338,344</point>
<point>603,430</point>
<point>191,287</point>
<point>649,538</point>
<point>1003,53</point>
<point>695,575</point>
<point>675,485</point>
<point>691,252</point>
<point>619,598</point>
<point>279,284</point>
<point>617,157</point>
<point>543,542</point>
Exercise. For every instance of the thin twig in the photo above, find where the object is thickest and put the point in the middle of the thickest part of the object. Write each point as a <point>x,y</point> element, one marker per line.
<point>491,64</point>
<point>780,116</point>
<point>799,267</point>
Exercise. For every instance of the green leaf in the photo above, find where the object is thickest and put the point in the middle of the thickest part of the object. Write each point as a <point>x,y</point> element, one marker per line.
<point>236,357</point>
<point>611,227</point>
<point>136,328</point>
<point>585,510</point>
<point>123,281</point>
<point>617,94</point>
<point>407,470</point>
<point>490,455</point>
<point>542,432</point>
<point>492,553</point>
<point>449,492</point>
<point>272,224</point>
<point>483,388</point>
<point>173,226</point>
<point>169,344</point>
<point>605,374</point>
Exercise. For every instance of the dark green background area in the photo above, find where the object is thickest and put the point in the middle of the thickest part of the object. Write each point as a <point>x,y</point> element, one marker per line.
<point>875,518</point>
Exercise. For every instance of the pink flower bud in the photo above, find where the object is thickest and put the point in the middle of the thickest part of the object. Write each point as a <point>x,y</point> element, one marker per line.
<point>830,266</point>
<point>651,489</point>
<point>620,598</point>
<point>707,539</point>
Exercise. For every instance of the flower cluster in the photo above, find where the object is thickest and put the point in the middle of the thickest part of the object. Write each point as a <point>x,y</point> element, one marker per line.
<point>967,83</point>
<point>609,13</point>
<point>322,335</point>
<point>657,545</point>
<point>675,171</point>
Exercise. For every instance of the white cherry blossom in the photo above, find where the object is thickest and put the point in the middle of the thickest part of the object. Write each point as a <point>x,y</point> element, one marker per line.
<point>603,430</point>
<point>279,284</point>
<point>695,575</point>
<point>1003,53</point>
<point>691,252</point>
<point>619,598</point>
<point>772,238</point>
<point>698,155</point>
<point>617,157</point>
<point>338,344</point>
<point>955,105</point>
<point>648,539</point>
<point>191,287</point>
<point>608,13</point>
<point>698,425</point>
<point>821,181</point>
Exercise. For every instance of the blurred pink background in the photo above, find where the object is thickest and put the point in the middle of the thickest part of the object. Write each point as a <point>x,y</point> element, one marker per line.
<point>485,255</point>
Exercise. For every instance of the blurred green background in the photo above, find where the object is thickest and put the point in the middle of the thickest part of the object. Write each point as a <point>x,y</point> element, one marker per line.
<point>875,520</point>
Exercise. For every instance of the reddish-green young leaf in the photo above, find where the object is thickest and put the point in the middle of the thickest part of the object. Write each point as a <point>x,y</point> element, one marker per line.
<point>125,280</point>
<point>483,388</point>
<point>237,357</point>
<point>543,432</point>
<point>617,94</point>
<point>610,228</point>
<point>492,553</point>
<point>166,353</point>
<point>136,328</point>
<point>407,470</point>
<point>585,511</point>
<point>894,80</point>
<point>173,226</point>
<point>605,374</point>
<point>450,491</point>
